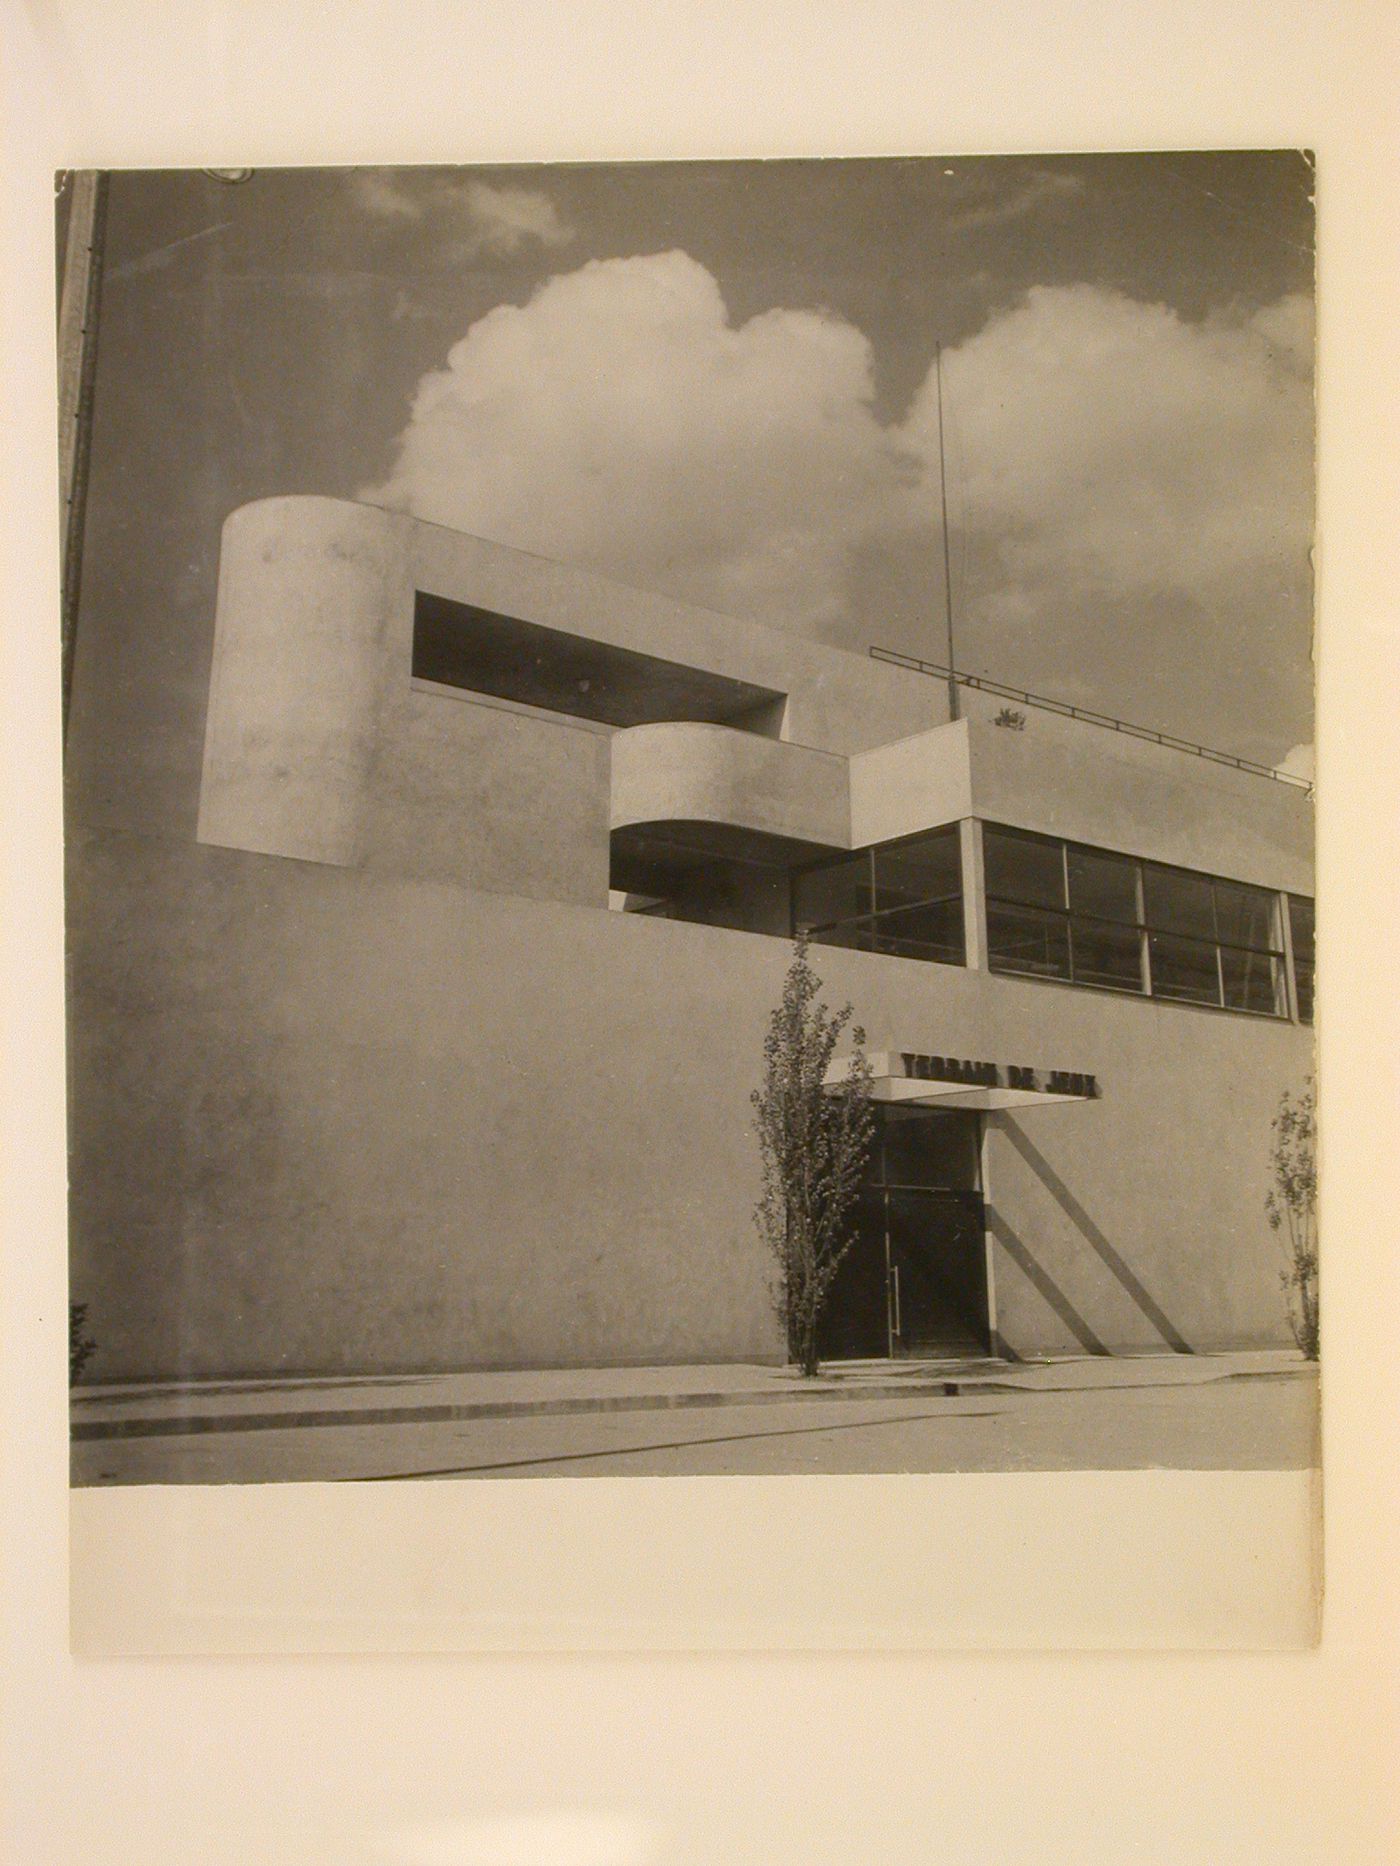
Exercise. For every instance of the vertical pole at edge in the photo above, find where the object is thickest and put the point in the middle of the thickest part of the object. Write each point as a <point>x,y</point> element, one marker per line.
<point>889,1273</point>
<point>986,1128</point>
<point>78,310</point>
<point>947,557</point>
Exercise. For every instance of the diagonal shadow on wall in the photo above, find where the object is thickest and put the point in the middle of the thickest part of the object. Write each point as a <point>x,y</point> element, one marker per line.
<point>1085,1225</point>
<point>1016,1250</point>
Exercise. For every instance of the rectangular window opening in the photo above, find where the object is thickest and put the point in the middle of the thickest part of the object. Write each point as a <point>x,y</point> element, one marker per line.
<point>1056,910</point>
<point>902,898</point>
<point>1302,932</point>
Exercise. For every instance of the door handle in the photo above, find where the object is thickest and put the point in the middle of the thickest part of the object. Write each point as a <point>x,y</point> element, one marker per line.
<point>894,1272</point>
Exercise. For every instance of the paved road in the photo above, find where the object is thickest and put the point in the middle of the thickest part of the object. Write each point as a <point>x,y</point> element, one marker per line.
<point>1234,1423</point>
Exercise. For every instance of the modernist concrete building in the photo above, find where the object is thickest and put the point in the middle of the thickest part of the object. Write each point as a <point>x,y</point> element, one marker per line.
<point>433,1047</point>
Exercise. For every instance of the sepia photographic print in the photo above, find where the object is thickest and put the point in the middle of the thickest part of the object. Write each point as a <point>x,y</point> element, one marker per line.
<point>689,819</point>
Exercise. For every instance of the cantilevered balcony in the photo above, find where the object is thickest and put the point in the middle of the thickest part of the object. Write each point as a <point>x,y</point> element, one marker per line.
<point>685,793</point>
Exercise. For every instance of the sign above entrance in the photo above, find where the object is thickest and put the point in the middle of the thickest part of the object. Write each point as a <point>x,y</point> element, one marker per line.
<point>959,1082</point>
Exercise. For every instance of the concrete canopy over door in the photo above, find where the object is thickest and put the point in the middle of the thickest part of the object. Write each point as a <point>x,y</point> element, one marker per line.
<point>923,1080</point>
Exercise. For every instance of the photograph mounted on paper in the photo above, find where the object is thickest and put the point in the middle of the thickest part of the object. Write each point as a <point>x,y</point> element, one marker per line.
<point>689,818</point>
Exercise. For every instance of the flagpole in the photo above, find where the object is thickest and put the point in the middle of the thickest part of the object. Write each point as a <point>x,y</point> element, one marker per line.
<point>947,560</point>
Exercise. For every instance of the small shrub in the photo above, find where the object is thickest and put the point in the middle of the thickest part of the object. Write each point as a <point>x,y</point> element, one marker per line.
<point>81,1347</point>
<point>1291,1206</point>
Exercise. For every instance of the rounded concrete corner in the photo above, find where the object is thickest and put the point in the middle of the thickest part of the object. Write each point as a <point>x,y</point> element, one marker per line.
<point>313,511</point>
<point>313,626</point>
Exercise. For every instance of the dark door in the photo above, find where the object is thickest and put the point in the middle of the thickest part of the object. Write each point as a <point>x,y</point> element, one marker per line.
<point>855,1323</point>
<point>914,1281</point>
<point>938,1272</point>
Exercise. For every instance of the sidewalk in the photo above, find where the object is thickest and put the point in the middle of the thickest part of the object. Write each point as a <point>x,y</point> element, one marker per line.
<point>106,1412</point>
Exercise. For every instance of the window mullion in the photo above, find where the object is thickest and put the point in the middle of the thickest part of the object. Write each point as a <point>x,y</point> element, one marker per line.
<point>1069,921</point>
<point>1144,938</point>
<point>1290,975</point>
<point>1219,955</point>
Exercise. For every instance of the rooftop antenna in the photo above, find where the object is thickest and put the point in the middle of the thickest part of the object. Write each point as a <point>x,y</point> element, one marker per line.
<point>947,564</point>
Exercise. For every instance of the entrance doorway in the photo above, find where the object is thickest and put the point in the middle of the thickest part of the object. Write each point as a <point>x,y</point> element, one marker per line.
<point>914,1282</point>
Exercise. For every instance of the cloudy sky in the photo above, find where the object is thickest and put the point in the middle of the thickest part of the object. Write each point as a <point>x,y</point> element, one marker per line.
<point>717,380</point>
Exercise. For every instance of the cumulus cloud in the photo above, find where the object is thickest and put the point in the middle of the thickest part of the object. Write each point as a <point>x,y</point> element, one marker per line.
<point>486,218</point>
<point>1300,762</point>
<point>1041,189</point>
<point>1114,454</point>
<point>619,420</point>
<point>505,219</point>
<point>1108,457</point>
<point>384,194</point>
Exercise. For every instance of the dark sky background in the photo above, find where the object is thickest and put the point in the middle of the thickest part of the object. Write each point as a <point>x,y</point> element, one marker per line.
<point>747,422</point>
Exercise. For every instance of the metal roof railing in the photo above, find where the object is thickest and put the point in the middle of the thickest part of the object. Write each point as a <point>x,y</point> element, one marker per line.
<point>1089,716</point>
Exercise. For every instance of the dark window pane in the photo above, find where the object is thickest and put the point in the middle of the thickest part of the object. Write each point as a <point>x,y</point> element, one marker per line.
<point>1022,939</point>
<point>1106,955</point>
<point>934,931</point>
<point>1024,868</point>
<point>1178,902</point>
<point>929,1147</point>
<point>1184,969</point>
<point>1301,917</point>
<point>1103,885</point>
<point>1303,979</point>
<point>1245,916</point>
<point>852,933</point>
<point>838,891</point>
<point>1253,981</point>
<point>1301,930</point>
<point>927,870</point>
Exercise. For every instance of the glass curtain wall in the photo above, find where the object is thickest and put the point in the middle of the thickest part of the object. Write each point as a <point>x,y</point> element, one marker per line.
<point>1085,916</point>
<point>902,897</point>
<point>1059,910</point>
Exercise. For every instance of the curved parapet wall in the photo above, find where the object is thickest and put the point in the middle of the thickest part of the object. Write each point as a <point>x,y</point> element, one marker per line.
<point>314,595</point>
<point>359,653</point>
<point>685,772</point>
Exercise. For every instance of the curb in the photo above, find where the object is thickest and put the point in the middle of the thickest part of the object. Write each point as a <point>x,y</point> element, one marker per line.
<point>190,1425</point>
<point>451,1412</point>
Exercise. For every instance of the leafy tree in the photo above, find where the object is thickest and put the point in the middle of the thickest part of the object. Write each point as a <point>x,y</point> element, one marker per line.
<point>813,1143</point>
<point>1291,1205</point>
